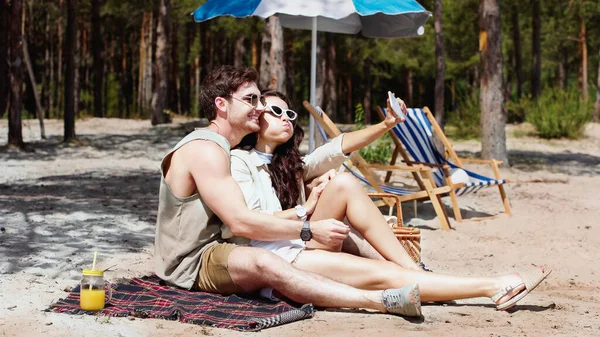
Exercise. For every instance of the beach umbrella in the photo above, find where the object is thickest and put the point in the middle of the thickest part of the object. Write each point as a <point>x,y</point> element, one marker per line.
<point>372,18</point>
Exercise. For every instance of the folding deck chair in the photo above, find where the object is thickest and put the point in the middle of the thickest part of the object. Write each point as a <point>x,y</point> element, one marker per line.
<point>388,194</point>
<point>416,136</point>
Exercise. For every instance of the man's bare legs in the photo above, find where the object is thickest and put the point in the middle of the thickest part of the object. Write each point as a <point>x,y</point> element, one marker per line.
<point>345,197</point>
<point>255,268</point>
<point>365,273</point>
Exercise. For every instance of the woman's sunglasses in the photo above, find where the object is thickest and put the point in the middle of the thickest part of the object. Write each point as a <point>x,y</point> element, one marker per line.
<point>278,111</point>
<point>252,100</point>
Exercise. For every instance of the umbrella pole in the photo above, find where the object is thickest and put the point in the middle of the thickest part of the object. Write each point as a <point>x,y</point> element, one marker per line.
<point>313,84</point>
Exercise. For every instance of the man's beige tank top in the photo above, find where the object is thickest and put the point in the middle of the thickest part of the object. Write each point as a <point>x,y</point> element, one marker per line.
<point>185,227</point>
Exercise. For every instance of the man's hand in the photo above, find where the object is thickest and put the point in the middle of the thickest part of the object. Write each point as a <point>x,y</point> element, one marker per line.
<point>329,232</point>
<point>391,117</point>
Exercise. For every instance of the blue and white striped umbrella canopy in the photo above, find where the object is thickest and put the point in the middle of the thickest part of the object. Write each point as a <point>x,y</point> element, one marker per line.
<point>373,18</point>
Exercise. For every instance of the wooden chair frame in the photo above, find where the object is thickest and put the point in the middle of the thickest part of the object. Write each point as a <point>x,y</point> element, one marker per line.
<point>448,152</point>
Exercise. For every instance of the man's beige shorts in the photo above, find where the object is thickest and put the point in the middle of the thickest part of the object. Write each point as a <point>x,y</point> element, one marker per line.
<point>214,276</point>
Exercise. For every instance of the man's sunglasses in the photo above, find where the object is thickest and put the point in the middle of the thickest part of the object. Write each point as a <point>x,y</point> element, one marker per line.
<point>278,111</point>
<point>252,100</point>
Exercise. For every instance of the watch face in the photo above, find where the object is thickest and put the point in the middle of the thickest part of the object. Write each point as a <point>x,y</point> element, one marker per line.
<point>305,235</point>
<point>300,211</point>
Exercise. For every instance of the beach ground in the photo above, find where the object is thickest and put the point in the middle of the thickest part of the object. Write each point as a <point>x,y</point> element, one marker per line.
<point>59,203</point>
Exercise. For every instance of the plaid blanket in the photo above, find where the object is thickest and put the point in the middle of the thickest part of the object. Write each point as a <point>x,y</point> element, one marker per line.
<point>149,297</point>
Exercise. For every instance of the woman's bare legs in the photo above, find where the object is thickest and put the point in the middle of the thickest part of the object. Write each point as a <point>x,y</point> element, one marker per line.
<point>255,268</point>
<point>363,273</point>
<point>345,197</point>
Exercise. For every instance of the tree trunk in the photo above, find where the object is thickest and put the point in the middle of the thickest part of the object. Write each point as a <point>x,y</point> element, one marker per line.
<point>107,72</point>
<point>206,53</point>
<point>240,50</point>
<point>46,71</point>
<point>159,96</point>
<point>272,66</point>
<point>197,86</point>
<point>123,74</point>
<point>330,92</point>
<point>4,68</point>
<point>15,132</point>
<point>84,59</point>
<point>584,62</point>
<point>133,71</point>
<point>453,94</point>
<point>186,91</point>
<point>98,63</point>
<point>562,74</point>
<point>536,69</point>
<point>410,88</point>
<point>289,60</point>
<point>145,65</point>
<point>76,62</point>
<point>596,118</point>
<point>38,103</point>
<point>255,54</point>
<point>349,106</point>
<point>129,79</point>
<point>439,65</point>
<point>367,89</point>
<point>50,83</point>
<point>59,64</point>
<point>518,56</point>
<point>320,74</point>
<point>493,120</point>
<point>508,82</point>
<point>69,116</point>
<point>173,96</point>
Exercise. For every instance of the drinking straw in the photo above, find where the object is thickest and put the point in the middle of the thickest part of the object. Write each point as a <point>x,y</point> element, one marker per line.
<point>93,266</point>
<point>94,263</point>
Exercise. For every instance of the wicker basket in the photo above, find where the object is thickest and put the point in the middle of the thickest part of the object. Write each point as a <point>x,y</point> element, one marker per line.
<point>409,238</point>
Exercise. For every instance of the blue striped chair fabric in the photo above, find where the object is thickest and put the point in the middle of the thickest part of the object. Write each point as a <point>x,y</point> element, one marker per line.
<point>417,136</point>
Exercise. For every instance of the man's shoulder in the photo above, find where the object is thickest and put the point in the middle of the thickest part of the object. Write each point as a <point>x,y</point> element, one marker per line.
<point>203,149</point>
<point>204,135</point>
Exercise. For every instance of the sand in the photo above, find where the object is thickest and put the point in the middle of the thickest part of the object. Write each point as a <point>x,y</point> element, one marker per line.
<point>60,203</point>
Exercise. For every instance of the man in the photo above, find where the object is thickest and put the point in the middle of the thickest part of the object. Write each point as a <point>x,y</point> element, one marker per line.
<point>197,194</point>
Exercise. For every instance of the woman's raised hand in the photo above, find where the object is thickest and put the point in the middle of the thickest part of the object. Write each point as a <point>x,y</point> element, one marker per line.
<point>391,117</point>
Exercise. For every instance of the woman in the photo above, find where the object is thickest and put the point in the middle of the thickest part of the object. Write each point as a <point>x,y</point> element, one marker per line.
<point>271,174</point>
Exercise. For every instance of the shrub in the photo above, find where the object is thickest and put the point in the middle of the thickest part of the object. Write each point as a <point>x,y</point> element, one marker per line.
<point>559,113</point>
<point>465,118</point>
<point>516,111</point>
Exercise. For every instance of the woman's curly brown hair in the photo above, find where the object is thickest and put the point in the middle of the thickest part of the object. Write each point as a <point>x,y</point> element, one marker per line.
<point>286,166</point>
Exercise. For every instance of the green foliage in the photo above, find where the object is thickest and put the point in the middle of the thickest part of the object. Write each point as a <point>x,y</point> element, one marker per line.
<point>559,113</point>
<point>381,150</point>
<point>112,97</point>
<point>359,117</point>
<point>465,119</point>
<point>517,110</point>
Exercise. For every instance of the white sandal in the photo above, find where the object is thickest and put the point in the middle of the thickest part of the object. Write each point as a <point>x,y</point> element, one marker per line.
<point>531,279</point>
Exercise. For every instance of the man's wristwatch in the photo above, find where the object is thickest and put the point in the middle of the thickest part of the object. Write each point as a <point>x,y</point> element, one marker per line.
<point>301,212</point>
<point>305,233</point>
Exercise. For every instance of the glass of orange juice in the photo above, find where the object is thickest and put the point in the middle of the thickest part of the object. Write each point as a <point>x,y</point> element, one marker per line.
<point>93,289</point>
